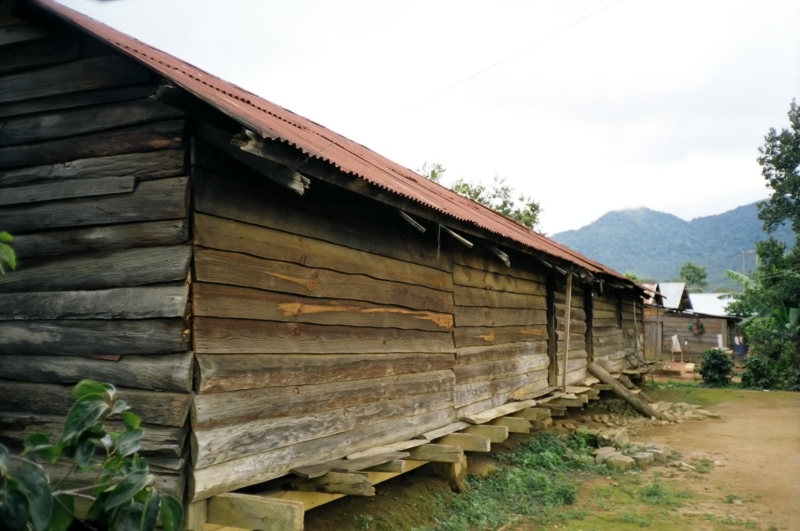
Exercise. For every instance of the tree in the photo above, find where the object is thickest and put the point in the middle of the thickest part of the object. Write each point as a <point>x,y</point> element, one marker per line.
<point>780,166</point>
<point>694,275</point>
<point>498,197</point>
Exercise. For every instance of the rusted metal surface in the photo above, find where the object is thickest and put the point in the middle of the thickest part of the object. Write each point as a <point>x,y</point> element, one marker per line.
<point>274,122</point>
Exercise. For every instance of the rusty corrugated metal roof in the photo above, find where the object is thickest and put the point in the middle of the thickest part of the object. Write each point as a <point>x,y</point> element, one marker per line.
<point>274,122</point>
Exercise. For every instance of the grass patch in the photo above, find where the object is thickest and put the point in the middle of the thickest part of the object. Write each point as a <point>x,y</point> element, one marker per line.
<point>689,392</point>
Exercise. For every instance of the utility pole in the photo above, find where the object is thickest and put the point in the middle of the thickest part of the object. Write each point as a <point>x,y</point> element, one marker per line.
<point>744,259</point>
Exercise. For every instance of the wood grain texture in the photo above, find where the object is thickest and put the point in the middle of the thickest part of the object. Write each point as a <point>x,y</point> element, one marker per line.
<point>476,316</point>
<point>470,355</point>
<point>239,336</point>
<point>500,369</point>
<point>171,372</point>
<point>218,233</point>
<point>74,100</point>
<point>161,199</point>
<point>216,409</point>
<point>216,300</point>
<point>101,239</point>
<point>335,483</point>
<point>140,138</point>
<point>67,190</point>
<point>232,372</point>
<point>255,512</point>
<point>86,74</point>
<point>147,302</point>
<point>500,411</point>
<point>477,278</point>
<point>88,271</point>
<point>437,453</point>
<point>164,409</point>
<point>102,337</point>
<point>477,259</point>
<point>466,336</point>
<point>464,296</point>
<point>143,166</point>
<point>243,270</point>
<point>476,391</point>
<point>34,54</point>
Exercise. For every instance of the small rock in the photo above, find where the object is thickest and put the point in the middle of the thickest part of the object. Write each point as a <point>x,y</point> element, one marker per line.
<point>659,455</point>
<point>619,462</point>
<point>708,414</point>
<point>616,437</point>
<point>737,502</point>
<point>602,454</point>
<point>643,459</point>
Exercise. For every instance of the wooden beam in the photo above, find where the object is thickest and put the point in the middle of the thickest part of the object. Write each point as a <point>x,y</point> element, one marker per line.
<point>388,448</point>
<point>514,424</point>
<point>398,466</point>
<point>196,516</point>
<point>453,473</point>
<point>640,406</point>
<point>68,190</point>
<point>495,434</point>
<point>411,221</point>
<point>467,442</point>
<point>441,432</point>
<point>568,309</point>
<point>506,409</point>
<point>437,453</point>
<point>458,237</point>
<point>354,465</point>
<point>255,512</point>
<point>335,483</point>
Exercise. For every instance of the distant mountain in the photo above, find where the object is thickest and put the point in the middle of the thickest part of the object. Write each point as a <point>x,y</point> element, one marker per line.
<point>654,244</point>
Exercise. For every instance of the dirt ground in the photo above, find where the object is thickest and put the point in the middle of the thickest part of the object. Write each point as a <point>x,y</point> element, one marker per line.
<point>751,477</point>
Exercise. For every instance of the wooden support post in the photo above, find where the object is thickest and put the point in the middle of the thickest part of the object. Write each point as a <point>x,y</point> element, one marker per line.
<point>458,237</point>
<point>496,434</point>
<point>255,512</point>
<point>619,389</point>
<point>196,515</point>
<point>514,424</point>
<point>335,483</point>
<point>454,473</point>
<point>411,221</point>
<point>393,467</point>
<point>534,413</point>
<point>437,453</point>
<point>467,442</point>
<point>567,311</point>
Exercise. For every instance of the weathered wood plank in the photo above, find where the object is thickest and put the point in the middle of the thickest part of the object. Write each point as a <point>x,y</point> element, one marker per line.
<point>86,74</point>
<point>485,262</point>
<point>352,224</point>
<point>255,512</point>
<point>232,372</point>
<point>248,271</point>
<point>437,453</point>
<point>216,300</point>
<point>21,33</point>
<point>239,336</point>
<point>532,390</point>
<point>392,447</point>
<point>143,166</point>
<point>441,432</point>
<point>469,442</point>
<point>335,483</point>
<point>471,393</point>
<point>100,337</point>
<point>495,434</point>
<point>77,99</point>
<point>216,409</point>
<point>35,54</point>
<point>140,138</point>
<point>171,372</point>
<point>575,313</point>
<point>479,278</point>
<point>67,190</point>
<point>466,336</point>
<point>70,122</point>
<point>268,465</point>
<point>470,355</point>
<point>153,200</point>
<point>164,409</point>
<point>490,414</point>
<point>476,316</point>
<point>501,368</point>
<point>226,235</point>
<point>147,302</point>
<point>464,296</point>
<point>575,326</point>
<point>129,267</point>
<point>514,424</point>
<point>393,467</point>
<point>354,465</point>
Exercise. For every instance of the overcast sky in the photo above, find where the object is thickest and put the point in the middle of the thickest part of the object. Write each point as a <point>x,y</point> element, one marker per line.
<point>648,103</point>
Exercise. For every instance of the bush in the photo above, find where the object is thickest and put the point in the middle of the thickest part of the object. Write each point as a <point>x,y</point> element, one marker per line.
<point>716,368</point>
<point>758,374</point>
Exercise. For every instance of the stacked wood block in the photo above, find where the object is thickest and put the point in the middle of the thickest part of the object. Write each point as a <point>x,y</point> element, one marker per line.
<point>93,189</point>
<point>577,359</point>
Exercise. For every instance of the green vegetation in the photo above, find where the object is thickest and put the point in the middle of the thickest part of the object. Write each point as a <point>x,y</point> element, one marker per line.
<point>716,368</point>
<point>695,277</point>
<point>7,256</point>
<point>121,492</point>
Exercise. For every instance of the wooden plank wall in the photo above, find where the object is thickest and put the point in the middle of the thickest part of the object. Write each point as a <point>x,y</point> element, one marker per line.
<point>578,358</point>
<point>322,326</point>
<point>500,331</point>
<point>615,330</point>
<point>93,189</point>
<point>692,345</point>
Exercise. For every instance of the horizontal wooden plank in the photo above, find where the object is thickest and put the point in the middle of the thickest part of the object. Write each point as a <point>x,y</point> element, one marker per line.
<point>605,323</point>
<point>87,271</point>
<point>217,300</point>
<point>227,235</point>
<point>574,313</point>
<point>21,33</point>
<point>500,411</point>
<point>437,453</point>
<point>101,239</point>
<point>76,99</point>
<point>534,389</point>
<point>479,278</point>
<point>245,511</point>
<point>363,227</point>
<point>232,372</point>
<point>484,354</point>
<point>143,166</point>
<point>70,122</point>
<point>248,271</point>
<point>87,74</point>
<point>240,336</point>
<point>441,432</point>
<point>477,259</point>
<point>67,190</point>
<point>101,337</point>
<point>171,372</point>
<point>147,302</point>
<point>139,138</point>
<point>499,369</point>
<point>572,365</point>
<point>575,326</point>
<point>477,391</point>
<point>161,199</point>
<point>226,443</point>
<point>464,296</point>
<point>275,463</point>
<point>34,54</point>
<point>165,480</point>
<point>476,316</point>
<point>164,409</point>
<point>215,409</point>
<point>392,447</point>
<point>467,336</point>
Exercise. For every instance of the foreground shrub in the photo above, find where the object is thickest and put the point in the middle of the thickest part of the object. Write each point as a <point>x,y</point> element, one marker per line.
<point>716,368</point>
<point>758,374</point>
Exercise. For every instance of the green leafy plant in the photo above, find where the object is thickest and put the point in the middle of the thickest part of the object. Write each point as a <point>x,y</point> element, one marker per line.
<point>7,256</point>
<point>716,368</point>
<point>758,374</point>
<point>121,490</point>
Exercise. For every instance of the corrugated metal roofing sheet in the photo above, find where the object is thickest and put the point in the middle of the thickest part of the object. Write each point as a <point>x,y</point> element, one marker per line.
<point>274,122</point>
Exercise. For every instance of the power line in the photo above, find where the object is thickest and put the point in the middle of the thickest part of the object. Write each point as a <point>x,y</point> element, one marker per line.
<point>510,57</point>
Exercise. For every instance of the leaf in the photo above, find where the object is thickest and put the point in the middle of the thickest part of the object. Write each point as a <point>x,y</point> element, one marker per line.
<point>3,460</point>
<point>63,511</point>
<point>87,387</point>
<point>14,511</point>
<point>39,443</point>
<point>6,237</point>
<point>131,421</point>
<point>171,513</point>
<point>33,483</point>
<point>97,511</point>
<point>8,255</point>
<point>129,517</point>
<point>129,442</point>
<point>126,489</point>
<point>82,415</point>
<point>84,453</point>
<point>110,389</point>
<point>118,407</point>
<point>150,516</point>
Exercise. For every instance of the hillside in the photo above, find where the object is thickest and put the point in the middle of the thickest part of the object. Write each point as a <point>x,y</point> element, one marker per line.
<point>655,244</point>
